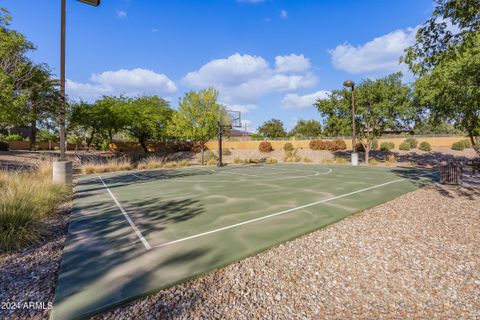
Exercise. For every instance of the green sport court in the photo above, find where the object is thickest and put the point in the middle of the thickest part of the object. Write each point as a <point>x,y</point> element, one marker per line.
<point>135,233</point>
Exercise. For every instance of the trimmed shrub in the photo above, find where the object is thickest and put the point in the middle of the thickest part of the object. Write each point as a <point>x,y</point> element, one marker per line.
<point>3,146</point>
<point>467,143</point>
<point>412,142</point>
<point>339,145</point>
<point>288,147</point>
<point>404,146</point>
<point>265,146</point>
<point>328,145</point>
<point>459,146</point>
<point>387,146</point>
<point>317,145</point>
<point>425,146</point>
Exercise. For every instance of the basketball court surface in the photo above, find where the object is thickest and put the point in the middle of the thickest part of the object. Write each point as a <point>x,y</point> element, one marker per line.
<point>135,233</point>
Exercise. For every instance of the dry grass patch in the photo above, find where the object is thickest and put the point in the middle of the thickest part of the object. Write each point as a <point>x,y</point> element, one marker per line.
<point>271,160</point>
<point>27,198</point>
<point>109,166</point>
<point>150,163</point>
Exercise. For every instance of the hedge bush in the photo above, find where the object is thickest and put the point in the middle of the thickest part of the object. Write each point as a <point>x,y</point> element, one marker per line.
<point>3,146</point>
<point>405,146</point>
<point>317,145</point>
<point>459,145</point>
<point>467,143</point>
<point>339,144</point>
<point>425,146</point>
<point>387,146</point>
<point>265,146</point>
<point>288,147</point>
<point>412,142</point>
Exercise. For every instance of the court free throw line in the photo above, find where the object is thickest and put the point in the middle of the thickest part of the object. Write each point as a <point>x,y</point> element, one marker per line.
<point>276,214</point>
<point>134,227</point>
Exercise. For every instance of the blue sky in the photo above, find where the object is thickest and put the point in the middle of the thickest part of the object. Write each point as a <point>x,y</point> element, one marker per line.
<point>267,58</point>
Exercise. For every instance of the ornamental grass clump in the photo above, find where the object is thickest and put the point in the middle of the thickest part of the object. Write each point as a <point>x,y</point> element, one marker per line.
<point>27,199</point>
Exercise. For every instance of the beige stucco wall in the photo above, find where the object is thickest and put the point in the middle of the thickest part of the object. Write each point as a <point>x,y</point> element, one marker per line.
<point>304,144</point>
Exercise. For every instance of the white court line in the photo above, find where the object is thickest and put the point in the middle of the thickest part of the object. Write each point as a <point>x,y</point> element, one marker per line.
<point>134,227</point>
<point>276,214</point>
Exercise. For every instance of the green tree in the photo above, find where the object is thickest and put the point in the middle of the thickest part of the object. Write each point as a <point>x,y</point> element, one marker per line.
<point>272,128</point>
<point>197,117</point>
<point>379,104</point>
<point>451,29</point>
<point>451,90</point>
<point>146,119</point>
<point>307,129</point>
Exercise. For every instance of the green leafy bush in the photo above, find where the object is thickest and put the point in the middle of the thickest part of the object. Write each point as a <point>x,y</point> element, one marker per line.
<point>14,137</point>
<point>288,147</point>
<point>3,146</point>
<point>265,146</point>
<point>412,142</point>
<point>467,143</point>
<point>404,146</point>
<point>459,145</point>
<point>425,146</point>
<point>387,146</point>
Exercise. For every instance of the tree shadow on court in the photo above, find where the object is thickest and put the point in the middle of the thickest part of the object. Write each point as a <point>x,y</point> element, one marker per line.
<point>101,240</point>
<point>137,177</point>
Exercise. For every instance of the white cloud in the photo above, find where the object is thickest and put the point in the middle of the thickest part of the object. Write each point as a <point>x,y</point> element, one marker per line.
<point>245,78</point>
<point>283,14</point>
<point>381,54</point>
<point>293,100</point>
<point>121,14</point>
<point>130,82</point>
<point>243,108</point>
<point>292,63</point>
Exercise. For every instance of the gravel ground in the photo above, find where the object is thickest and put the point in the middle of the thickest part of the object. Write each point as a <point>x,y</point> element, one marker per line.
<point>415,257</point>
<point>29,276</point>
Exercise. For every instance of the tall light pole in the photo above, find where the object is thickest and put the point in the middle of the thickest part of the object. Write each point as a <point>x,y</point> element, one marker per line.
<point>62,169</point>
<point>351,84</point>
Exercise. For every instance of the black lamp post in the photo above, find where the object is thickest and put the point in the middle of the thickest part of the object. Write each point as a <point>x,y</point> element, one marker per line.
<point>351,84</point>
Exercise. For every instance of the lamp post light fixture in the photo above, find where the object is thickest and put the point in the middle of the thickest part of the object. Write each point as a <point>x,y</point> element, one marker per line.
<point>62,169</point>
<point>351,84</point>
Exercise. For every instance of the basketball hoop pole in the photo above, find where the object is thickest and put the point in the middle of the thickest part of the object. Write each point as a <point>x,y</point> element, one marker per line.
<point>219,162</point>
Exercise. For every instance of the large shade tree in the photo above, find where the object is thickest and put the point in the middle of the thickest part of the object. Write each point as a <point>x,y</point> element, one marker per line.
<point>197,118</point>
<point>307,129</point>
<point>380,104</point>
<point>446,59</point>
<point>272,128</point>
